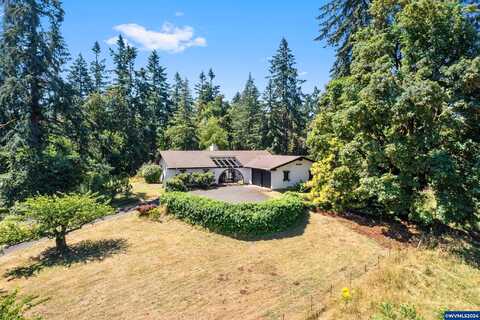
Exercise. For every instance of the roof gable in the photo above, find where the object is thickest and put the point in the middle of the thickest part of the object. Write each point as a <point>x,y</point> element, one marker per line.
<point>203,158</point>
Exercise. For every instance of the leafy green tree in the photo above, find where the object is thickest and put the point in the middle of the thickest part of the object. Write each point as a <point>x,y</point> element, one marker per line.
<point>56,216</point>
<point>401,135</point>
<point>210,132</point>
<point>287,122</point>
<point>339,20</point>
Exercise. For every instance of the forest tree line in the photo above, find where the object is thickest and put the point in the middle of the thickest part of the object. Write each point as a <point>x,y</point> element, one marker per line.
<point>72,125</point>
<point>396,131</point>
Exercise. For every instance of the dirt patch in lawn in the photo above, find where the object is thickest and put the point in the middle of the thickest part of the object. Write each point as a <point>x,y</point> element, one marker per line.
<point>389,234</point>
<point>172,270</point>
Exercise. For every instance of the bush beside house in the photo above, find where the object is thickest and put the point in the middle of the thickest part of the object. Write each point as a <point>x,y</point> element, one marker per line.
<point>189,181</point>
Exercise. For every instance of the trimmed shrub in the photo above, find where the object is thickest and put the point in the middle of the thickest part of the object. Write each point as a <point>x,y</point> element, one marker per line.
<point>237,219</point>
<point>151,173</point>
<point>189,181</point>
<point>176,184</point>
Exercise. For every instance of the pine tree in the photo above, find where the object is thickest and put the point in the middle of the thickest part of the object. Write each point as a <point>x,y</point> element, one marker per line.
<point>97,69</point>
<point>36,102</point>
<point>339,20</point>
<point>181,135</point>
<point>286,118</point>
<point>246,118</point>
<point>124,60</point>
<point>159,103</point>
<point>206,93</point>
<point>79,78</point>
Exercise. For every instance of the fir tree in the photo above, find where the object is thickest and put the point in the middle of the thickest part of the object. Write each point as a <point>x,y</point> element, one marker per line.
<point>181,135</point>
<point>339,20</point>
<point>97,69</point>
<point>246,118</point>
<point>79,78</point>
<point>33,98</point>
<point>286,118</point>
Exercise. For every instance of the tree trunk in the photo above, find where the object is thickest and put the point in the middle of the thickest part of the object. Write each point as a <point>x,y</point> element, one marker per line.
<point>61,243</point>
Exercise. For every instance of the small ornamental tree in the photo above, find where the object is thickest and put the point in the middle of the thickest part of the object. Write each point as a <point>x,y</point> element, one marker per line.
<point>56,216</point>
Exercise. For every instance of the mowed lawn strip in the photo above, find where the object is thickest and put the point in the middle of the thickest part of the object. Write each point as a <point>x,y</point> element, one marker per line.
<point>172,270</point>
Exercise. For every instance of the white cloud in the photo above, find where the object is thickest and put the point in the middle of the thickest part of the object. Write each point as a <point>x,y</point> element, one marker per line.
<point>302,73</point>
<point>170,38</point>
<point>179,14</point>
<point>113,41</point>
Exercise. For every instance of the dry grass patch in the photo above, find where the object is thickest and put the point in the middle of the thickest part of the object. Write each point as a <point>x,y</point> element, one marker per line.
<point>172,270</point>
<point>431,280</point>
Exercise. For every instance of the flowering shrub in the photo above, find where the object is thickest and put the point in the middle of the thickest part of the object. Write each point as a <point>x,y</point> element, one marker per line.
<point>144,209</point>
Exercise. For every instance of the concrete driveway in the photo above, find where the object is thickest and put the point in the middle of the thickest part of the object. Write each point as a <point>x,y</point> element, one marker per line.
<point>238,193</point>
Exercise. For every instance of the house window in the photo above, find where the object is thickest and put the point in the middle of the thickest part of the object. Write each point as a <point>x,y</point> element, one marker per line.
<point>286,175</point>
<point>183,170</point>
<point>206,170</point>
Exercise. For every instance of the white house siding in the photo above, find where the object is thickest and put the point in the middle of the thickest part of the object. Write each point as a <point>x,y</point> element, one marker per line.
<point>299,172</point>
<point>170,173</point>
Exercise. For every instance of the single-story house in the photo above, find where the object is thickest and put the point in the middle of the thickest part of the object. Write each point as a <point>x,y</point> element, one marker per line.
<point>259,168</point>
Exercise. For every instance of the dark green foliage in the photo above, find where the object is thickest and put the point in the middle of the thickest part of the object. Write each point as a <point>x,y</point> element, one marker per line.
<point>339,21</point>
<point>401,135</point>
<point>236,219</point>
<point>181,134</point>
<point>246,118</point>
<point>33,97</point>
<point>13,308</point>
<point>287,121</point>
<point>151,173</point>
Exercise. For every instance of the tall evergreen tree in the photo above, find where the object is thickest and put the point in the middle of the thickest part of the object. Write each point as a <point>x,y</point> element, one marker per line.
<point>206,93</point>
<point>181,135</point>
<point>79,78</point>
<point>97,69</point>
<point>339,20</point>
<point>34,99</point>
<point>286,118</point>
<point>246,118</point>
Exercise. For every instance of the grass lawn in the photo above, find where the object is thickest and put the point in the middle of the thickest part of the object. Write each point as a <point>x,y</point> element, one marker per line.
<point>132,268</point>
<point>138,269</point>
<point>140,191</point>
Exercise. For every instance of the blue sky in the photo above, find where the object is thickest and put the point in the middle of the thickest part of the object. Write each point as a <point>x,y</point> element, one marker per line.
<point>232,37</point>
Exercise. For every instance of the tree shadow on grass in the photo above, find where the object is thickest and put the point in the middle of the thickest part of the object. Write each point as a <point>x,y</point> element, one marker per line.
<point>297,229</point>
<point>84,251</point>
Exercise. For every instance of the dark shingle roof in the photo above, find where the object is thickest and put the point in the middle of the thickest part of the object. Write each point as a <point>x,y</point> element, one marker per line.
<point>270,162</point>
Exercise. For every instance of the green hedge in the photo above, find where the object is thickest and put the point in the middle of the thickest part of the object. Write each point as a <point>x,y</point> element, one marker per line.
<point>237,219</point>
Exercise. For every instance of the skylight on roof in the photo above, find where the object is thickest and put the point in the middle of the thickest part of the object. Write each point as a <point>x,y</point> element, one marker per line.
<point>226,162</point>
